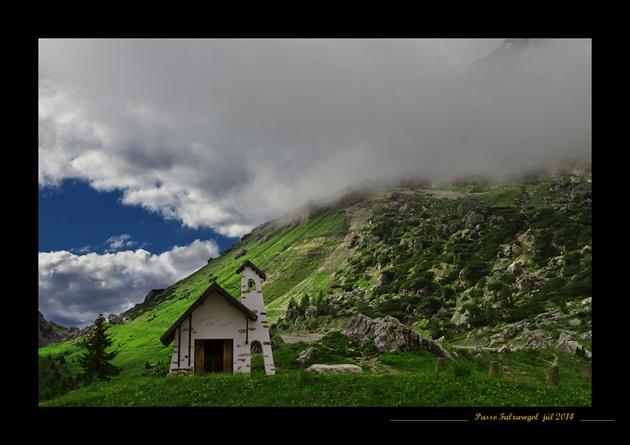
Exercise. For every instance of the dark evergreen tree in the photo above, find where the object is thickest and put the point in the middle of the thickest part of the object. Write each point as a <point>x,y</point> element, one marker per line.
<point>96,360</point>
<point>304,303</point>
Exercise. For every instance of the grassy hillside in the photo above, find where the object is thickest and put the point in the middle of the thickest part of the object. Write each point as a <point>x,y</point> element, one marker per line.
<point>474,263</point>
<point>395,379</point>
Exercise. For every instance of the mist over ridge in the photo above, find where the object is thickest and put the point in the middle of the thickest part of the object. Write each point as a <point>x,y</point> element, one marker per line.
<point>244,130</point>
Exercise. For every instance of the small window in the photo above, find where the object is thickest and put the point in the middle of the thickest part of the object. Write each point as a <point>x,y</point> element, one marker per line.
<point>251,284</point>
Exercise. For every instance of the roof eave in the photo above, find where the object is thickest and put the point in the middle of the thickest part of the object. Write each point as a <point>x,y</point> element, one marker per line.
<point>169,335</point>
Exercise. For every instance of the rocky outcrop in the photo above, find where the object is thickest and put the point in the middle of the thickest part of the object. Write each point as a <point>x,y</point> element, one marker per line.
<point>45,331</point>
<point>389,334</point>
<point>306,356</point>
<point>153,295</point>
<point>565,344</point>
<point>49,333</point>
<point>116,319</point>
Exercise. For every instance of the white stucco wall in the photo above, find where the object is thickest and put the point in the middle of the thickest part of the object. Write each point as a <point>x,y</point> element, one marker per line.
<point>214,319</point>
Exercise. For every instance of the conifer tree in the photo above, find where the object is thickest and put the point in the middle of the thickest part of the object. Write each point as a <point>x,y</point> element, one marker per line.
<point>96,361</point>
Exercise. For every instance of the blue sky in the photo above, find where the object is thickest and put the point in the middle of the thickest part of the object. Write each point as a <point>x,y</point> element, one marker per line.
<point>156,154</point>
<point>77,218</point>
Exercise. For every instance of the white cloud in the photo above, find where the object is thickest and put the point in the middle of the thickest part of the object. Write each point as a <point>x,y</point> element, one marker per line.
<point>74,289</point>
<point>119,242</point>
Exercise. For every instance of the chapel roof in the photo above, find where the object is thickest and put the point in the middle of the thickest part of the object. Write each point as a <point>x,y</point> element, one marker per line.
<point>169,335</point>
<point>250,264</point>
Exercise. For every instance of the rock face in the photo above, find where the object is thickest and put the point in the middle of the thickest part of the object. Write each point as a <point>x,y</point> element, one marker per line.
<point>154,294</point>
<point>45,331</point>
<point>49,333</point>
<point>389,334</point>
<point>116,319</point>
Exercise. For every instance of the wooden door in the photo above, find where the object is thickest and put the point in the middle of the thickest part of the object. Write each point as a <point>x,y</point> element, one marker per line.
<point>214,356</point>
<point>227,355</point>
<point>199,357</point>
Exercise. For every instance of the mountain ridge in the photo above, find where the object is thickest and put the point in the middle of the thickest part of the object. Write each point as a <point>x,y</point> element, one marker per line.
<point>473,266</point>
<point>362,192</point>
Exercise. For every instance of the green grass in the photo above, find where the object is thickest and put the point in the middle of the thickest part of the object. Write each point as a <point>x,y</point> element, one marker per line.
<point>412,382</point>
<point>303,389</point>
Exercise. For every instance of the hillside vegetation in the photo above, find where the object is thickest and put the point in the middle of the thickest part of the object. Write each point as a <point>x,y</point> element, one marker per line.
<point>477,264</point>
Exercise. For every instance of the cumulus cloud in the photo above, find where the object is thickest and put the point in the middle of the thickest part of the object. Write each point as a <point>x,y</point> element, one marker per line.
<point>119,242</point>
<point>74,289</point>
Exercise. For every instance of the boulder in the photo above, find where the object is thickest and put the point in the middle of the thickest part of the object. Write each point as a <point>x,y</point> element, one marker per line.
<point>306,356</point>
<point>360,329</point>
<point>536,340</point>
<point>574,348</point>
<point>389,334</point>
<point>335,369</point>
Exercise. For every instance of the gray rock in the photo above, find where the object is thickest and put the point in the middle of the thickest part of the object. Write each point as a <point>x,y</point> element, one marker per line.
<point>389,334</point>
<point>335,369</point>
<point>574,348</point>
<point>306,356</point>
<point>536,341</point>
<point>50,333</point>
<point>516,267</point>
<point>116,319</point>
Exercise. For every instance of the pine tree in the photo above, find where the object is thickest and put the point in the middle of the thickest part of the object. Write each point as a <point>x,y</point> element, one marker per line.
<point>96,361</point>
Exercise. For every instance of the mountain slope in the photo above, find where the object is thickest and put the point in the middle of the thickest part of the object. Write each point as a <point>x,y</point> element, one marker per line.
<point>472,263</point>
<point>412,241</point>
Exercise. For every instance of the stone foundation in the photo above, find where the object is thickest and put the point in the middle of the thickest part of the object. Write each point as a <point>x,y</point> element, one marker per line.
<point>182,372</point>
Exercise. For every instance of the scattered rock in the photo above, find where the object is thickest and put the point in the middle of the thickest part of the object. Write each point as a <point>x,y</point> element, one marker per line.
<point>306,356</point>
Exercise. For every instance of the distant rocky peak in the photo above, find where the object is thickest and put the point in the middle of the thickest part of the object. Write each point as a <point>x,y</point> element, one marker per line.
<point>49,332</point>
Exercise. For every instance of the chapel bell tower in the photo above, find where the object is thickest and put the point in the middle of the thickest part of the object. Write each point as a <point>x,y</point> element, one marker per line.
<point>252,297</point>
